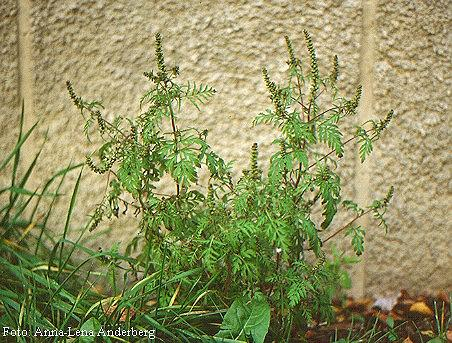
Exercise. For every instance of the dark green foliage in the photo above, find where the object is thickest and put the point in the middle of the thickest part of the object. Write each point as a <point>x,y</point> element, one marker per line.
<point>257,236</point>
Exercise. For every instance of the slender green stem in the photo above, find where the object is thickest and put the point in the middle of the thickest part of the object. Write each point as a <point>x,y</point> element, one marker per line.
<point>346,226</point>
<point>174,130</point>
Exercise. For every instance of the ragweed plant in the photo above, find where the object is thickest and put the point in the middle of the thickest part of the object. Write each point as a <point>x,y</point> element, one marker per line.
<point>255,238</point>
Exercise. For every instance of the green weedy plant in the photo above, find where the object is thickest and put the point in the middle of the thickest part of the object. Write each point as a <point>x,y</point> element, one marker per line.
<point>51,284</point>
<point>255,241</point>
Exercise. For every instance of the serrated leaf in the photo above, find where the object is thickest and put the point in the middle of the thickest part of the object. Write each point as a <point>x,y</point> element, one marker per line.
<point>357,234</point>
<point>198,94</point>
<point>328,132</point>
<point>352,206</point>
<point>297,291</point>
<point>366,146</point>
<point>129,173</point>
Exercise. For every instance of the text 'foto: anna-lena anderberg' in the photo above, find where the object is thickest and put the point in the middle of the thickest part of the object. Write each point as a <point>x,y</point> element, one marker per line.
<point>75,332</point>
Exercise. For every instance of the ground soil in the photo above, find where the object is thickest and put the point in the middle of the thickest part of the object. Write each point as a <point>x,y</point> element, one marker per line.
<point>415,320</point>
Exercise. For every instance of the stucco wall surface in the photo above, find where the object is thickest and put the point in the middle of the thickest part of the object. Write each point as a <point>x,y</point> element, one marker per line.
<point>413,75</point>
<point>9,71</point>
<point>104,46</point>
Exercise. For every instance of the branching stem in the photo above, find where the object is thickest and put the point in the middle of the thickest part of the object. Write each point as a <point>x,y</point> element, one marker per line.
<point>174,130</point>
<point>346,226</point>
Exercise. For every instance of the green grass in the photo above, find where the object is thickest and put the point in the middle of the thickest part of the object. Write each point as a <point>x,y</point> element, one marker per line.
<point>49,282</point>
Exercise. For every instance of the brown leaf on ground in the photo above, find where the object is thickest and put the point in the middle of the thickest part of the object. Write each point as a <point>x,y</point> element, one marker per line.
<point>407,340</point>
<point>422,308</point>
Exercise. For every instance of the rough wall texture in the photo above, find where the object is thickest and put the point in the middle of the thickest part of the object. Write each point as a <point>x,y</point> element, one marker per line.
<point>9,71</point>
<point>413,72</point>
<point>104,46</point>
<point>9,82</point>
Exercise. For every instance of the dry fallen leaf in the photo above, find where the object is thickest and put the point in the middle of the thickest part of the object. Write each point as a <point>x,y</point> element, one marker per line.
<point>407,340</point>
<point>422,308</point>
<point>125,313</point>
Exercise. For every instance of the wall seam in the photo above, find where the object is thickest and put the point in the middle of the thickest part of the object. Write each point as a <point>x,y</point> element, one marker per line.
<point>363,170</point>
<point>25,63</point>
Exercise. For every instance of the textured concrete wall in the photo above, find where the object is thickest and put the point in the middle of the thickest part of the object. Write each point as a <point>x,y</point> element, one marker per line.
<point>9,85</point>
<point>9,71</point>
<point>104,46</point>
<point>412,74</point>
